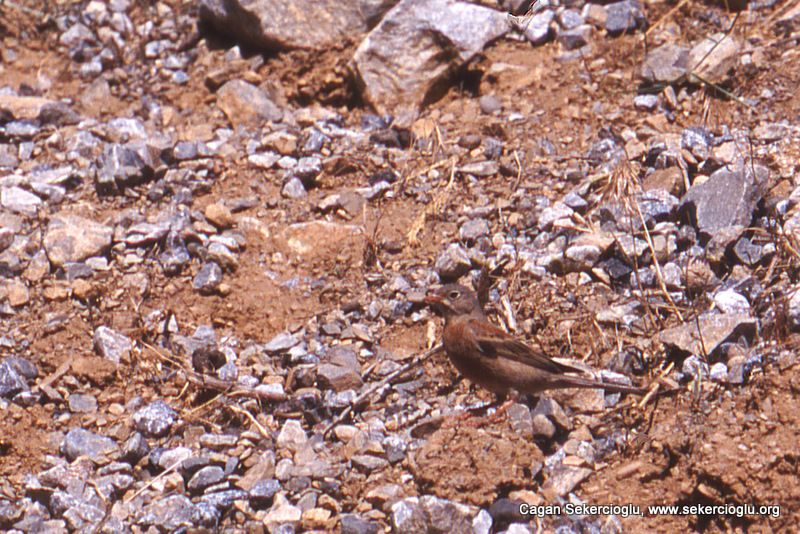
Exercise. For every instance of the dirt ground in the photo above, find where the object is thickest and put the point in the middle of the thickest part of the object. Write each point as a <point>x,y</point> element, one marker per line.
<point>710,445</point>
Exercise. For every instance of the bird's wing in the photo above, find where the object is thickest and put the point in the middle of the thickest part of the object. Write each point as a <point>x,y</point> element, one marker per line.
<point>495,343</point>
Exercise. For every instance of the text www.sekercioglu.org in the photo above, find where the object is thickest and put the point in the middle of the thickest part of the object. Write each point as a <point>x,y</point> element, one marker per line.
<point>627,510</point>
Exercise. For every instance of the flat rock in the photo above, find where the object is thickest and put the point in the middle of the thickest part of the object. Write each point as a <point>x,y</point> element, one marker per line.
<point>70,238</point>
<point>665,64</point>
<point>79,442</point>
<point>20,201</point>
<point>304,238</point>
<point>715,330</point>
<point>417,45</point>
<point>564,479</point>
<point>308,24</point>
<point>24,107</point>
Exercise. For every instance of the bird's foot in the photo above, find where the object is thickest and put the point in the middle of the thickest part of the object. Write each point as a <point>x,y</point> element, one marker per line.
<point>501,410</point>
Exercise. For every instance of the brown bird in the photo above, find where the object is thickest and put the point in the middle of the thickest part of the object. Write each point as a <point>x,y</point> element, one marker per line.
<point>496,360</point>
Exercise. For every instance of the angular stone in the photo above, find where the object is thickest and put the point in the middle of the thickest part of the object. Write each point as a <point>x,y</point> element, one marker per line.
<point>79,442</point>
<point>712,59</point>
<point>367,463</point>
<point>281,343</point>
<point>246,105</point>
<point>310,24</point>
<point>665,64</point>
<point>446,516</point>
<point>208,278</point>
<point>727,198</point>
<point>417,45</point>
<point>70,238</point>
<point>24,107</point>
<point>473,229</point>
<point>729,301</point>
<point>205,477</point>
<point>155,419</point>
<point>624,16</point>
<point>219,215</point>
<point>715,330</point>
<point>281,513</point>
<point>20,201</point>
<point>353,524</point>
<point>11,381</point>
<point>537,28</point>
<point>112,345</point>
<point>563,479</point>
<point>79,403</point>
<point>123,166</point>
<point>263,469</point>
<point>341,371</point>
<point>453,262</point>
<point>169,513</point>
<point>292,436</point>
<point>575,38</point>
<point>408,516</point>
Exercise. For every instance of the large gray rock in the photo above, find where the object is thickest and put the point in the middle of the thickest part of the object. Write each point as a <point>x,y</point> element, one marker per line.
<point>79,442</point>
<point>309,24</point>
<point>711,59</point>
<point>665,64</point>
<point>416,46</point>
<point>727,198</point>
<point>709,332</point>
<point>70,238</point>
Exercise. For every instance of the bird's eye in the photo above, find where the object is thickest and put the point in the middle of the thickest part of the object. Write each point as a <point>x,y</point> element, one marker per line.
<point>454,295</point>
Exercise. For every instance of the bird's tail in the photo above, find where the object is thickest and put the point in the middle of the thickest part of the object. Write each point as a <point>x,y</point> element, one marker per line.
<point>578,382</point>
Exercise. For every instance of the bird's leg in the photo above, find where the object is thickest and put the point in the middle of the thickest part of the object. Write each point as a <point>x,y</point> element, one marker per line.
<point>507,399</point>
<point>510,398</point>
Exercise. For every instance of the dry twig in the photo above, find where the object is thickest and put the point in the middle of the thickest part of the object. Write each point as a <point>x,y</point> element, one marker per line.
<point>380,385</point>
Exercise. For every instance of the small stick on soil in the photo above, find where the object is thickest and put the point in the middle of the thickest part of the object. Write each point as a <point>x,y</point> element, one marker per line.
<point>519,171</point>
<point>380,385</point>
<point>659,274</point>
<point>702,339</point>
<point>153,480</point>
<point>667,15</point>
<point>225,387</point>
<point>511,321</point>
<point>55,375</point>
<point>215,383</point>
<point>653,390</point>
<point>261,430</point>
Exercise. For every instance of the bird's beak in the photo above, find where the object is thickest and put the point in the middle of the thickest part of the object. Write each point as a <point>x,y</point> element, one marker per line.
<point>433,298</point>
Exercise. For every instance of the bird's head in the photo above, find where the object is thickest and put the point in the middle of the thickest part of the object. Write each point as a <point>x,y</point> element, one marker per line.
<point>452,300</point>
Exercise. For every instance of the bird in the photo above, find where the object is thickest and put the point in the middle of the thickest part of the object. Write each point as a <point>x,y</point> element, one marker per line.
<point>496,360</point>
